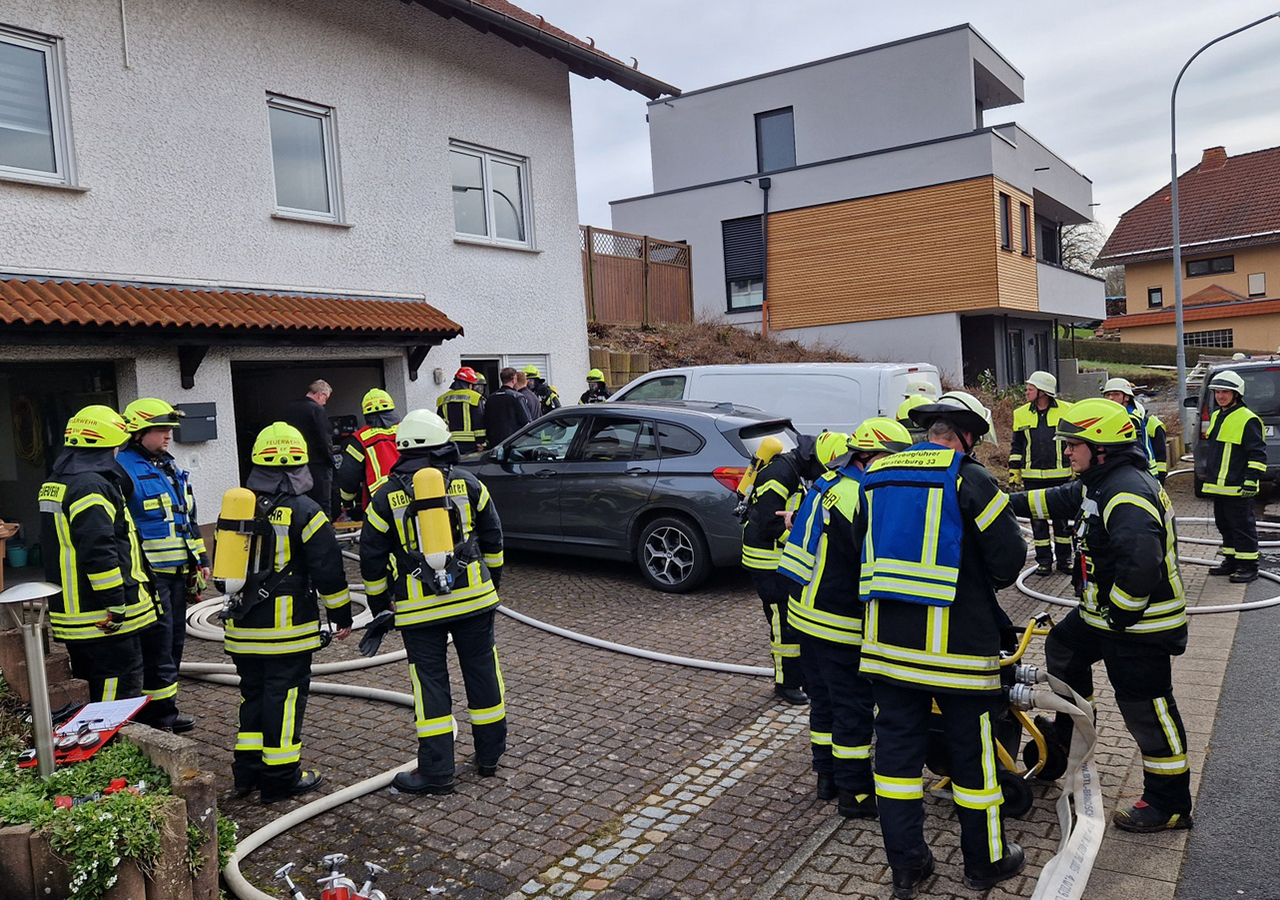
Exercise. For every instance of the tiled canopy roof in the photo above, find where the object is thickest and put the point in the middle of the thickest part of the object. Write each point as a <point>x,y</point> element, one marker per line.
<point>112,306</point>
<point>1224,202</point>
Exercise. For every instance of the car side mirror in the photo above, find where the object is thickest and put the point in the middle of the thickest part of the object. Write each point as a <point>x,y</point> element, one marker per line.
<point>1191,402</point>
<point>498,454</point>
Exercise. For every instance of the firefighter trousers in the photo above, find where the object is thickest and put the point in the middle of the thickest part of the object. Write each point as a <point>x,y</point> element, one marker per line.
<point>1141,674</point>
<point>273,700</point>
<point>426,646</point>
<point>112,666</point>
<point>1060,545</point>
<point>841,712</point>
<point>162,645</point>
<point>784,641</point>
<point>903,719</point>
<point>1238,526</point>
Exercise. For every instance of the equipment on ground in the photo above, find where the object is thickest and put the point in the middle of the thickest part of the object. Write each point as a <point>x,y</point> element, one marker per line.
<point>282,874</point>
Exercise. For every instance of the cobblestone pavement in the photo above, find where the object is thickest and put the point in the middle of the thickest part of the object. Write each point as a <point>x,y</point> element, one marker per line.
<point>627,777</point>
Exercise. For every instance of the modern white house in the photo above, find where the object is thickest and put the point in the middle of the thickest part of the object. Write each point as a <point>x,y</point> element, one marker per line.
<point>218,202</point>
<point>864,201</point>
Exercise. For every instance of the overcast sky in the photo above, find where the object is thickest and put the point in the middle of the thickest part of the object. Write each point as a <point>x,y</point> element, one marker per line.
<point>1098,75</point>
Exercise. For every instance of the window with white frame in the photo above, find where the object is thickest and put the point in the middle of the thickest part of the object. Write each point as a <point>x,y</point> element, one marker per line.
<point>490,196</point>
<point>35,128</point>
<point>1218,337</point>
<point>305,159</point>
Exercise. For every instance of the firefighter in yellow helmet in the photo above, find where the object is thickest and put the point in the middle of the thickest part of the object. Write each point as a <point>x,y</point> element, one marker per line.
<point>903,415</point>
<point>822,557</point>
<point>548,398</point>
<point>370,453</point>
<point>274,627</point>
<point>163,506</point>
<point>93,552</point>
<point>1237,461</point>
<point>597,391</point>
<point>437,586</point>
<point>1037,460</point>
<point>1131,615</point>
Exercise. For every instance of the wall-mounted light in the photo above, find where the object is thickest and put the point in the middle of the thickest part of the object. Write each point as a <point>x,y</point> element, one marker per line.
<point>437,375</point>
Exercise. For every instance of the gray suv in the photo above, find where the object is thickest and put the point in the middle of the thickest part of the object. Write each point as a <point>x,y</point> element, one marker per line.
<point>1261,394</point>
<point>649,482</point>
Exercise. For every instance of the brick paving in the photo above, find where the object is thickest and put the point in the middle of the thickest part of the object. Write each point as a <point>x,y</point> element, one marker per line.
<point>627,777</point>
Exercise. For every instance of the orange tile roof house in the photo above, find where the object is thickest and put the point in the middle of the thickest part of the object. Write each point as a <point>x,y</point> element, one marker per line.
<point>1229,222</point>
<point>216,203</point>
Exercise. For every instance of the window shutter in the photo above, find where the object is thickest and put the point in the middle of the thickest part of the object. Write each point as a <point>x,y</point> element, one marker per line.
<point>743,248</point>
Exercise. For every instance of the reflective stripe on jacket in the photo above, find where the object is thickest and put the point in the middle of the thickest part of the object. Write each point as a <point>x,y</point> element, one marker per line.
<point>374,451</point>
<point>1237,450</point>
<point>163,508</point>
<point>1035,450</point>
<point>778,488</point>
<point>463,410</point>
<point>1153,439</point>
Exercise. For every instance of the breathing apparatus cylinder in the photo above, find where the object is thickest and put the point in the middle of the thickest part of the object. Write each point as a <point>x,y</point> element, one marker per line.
<point>768,449</point>
<point>435,536</point>
<point>233,540</point>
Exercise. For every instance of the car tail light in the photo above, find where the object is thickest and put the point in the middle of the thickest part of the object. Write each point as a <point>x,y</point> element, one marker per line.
<point>729,476</point>
<point>1204,421</point>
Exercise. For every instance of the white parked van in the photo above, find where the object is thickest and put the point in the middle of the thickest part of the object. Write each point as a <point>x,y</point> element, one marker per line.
<point>814,396</point>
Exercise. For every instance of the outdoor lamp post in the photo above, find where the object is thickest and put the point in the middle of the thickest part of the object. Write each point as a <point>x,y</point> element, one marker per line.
<point>25,603</point>
<point>1183,412</point>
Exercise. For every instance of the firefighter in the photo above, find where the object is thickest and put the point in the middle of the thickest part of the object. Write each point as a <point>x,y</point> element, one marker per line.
<point>778,490</point>
<point>457,598</point>
<point>1151,433</point>
<point>903,414</point>
<point>1036,460</point>
<point>938,540</point>
<point>463,408</point>
<point>93,552</point>
<point>273,623</point>
<point>371,452</point>
<point>1131,614</point>
<point>596,391</point>
<point>822,557</point>
<point>1237,461</point>
<point>163,507</point>
<point>548,399</point>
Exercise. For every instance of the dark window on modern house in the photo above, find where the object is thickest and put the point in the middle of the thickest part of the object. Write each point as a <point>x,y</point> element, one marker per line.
<point>1025,224</point>
<point>775,140</point>
<point>744,262</point>
<point>1006,223</point>
<point>1215,265</point>
<point>1050,249</point>
<point>1219,337</point>
<point>1258,284</point>
<point>1155,298</point>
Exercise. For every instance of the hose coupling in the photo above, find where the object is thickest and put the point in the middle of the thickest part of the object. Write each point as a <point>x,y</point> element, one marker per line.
<point>1025,673</point>
<point>1020,696</point>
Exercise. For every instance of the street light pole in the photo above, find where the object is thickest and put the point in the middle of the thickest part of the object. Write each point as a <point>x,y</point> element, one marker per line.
<point>1183,412</point>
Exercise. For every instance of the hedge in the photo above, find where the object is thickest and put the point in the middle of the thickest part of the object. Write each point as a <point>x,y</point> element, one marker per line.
<point>1146,354</point>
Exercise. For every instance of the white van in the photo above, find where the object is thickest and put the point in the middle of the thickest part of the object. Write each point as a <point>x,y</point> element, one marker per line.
<point>814,396</point>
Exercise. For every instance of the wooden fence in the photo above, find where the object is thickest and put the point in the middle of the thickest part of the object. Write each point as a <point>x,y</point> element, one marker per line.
<point>633,279</point>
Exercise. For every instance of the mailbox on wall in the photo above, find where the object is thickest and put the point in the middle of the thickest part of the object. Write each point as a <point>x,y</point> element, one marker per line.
<point>199,423</point>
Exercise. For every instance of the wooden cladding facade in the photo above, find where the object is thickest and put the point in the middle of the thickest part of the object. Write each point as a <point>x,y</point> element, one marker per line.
<point>918,252</point>
<point>632,279</point>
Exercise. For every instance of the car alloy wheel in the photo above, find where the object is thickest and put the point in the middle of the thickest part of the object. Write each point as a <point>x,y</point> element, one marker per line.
<point>673,555</point>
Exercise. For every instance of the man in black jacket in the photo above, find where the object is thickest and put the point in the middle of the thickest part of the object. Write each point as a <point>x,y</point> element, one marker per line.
<point>505,412</point>
<point>307,415</point>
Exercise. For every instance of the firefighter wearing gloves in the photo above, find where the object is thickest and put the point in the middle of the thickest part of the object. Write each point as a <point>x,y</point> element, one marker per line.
<point>1131,614</point>
<point>433,555</point>
<point>1237,461</point>
<point>1036,460</point>
<point>596,391</point>
<point>778,489</point>
<point>938,539</point>
<point>163,507</point>
<point>823,558</point>
<point>92,550</point>
<point>371,452</point>
<point>463,407</point>
<point>273,622</point>
<point>1151,434</point>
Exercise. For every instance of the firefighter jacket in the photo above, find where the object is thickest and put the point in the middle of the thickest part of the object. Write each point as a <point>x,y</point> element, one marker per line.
<point>548,398</point>
<point>163,508</point>
<point>294,556</point>
<point>366,461</point>
<point>779,486</point>
<point>1035,450</point>
<point>1128,546</point>
<point>98,559</point>
<point>463,409</point>
<point>390,560</point>
<point>1153,440</point>
<point>1237,452</point>
<point>822,556</point>
<point>938,539</point>
<point>597,393</point>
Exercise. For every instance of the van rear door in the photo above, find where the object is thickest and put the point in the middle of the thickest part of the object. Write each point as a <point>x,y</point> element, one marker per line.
<point>894,383</point>
<point>813,401</point>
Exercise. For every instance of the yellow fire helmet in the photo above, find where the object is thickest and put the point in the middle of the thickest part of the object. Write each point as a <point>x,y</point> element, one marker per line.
<point>279,444</point>
<point>377,400</point>
<point>532,371</point>
<point>904,408</point>
<point>1097,420</point>
<point>151,412</point>
<point>96,426</point>
<point>831,444</point>
<point>881,435</point>
<point>595,375</point>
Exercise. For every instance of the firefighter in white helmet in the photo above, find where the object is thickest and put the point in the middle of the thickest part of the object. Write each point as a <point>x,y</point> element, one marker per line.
<point>1237,461</point>
<point>1151,434</point>
<point>1037,460</point>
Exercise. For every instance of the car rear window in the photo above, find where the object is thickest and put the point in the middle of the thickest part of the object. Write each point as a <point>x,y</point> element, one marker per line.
<point>668,387</point>
<point>1262,390</point>
<point>750,437</point>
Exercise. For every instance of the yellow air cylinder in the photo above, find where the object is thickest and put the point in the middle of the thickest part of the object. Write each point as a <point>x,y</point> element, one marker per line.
<point>768,449</point>
<point>434,534</point>
<point>233,541</point>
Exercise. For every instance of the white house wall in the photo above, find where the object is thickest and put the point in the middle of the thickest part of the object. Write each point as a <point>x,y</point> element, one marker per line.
<point>174,153</point>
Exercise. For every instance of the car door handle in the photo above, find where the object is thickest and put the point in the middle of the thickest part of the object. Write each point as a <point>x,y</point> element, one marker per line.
<point>638,470</point>
<point>544,473</point>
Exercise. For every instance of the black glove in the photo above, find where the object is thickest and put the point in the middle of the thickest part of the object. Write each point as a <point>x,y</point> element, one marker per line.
<point>495,575</point>
<point>375,631</point>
